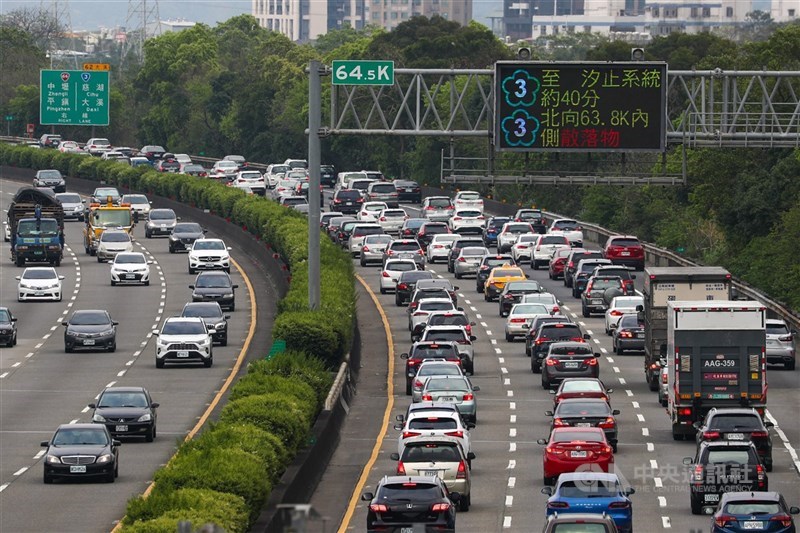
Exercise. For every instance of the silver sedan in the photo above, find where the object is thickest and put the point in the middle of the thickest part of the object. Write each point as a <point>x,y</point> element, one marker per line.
<point>521,316</point>
<point>457,390</point>
<point>468,261</point>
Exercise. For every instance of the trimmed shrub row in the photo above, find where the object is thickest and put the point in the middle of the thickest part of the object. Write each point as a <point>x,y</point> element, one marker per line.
<point>225,475</point>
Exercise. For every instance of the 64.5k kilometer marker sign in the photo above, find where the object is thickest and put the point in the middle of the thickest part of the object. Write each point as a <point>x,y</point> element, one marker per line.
<point>580,106</point>
<point>74,98</point>
<point>358,72</point>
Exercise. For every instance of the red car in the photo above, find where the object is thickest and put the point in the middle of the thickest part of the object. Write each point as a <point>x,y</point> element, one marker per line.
<point>572,449</point>
<point>558,262</point>
<point>581,388</point>
<point>624,250</point>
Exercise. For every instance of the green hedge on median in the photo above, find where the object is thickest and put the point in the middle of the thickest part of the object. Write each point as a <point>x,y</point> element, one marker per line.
<point>224,475</point>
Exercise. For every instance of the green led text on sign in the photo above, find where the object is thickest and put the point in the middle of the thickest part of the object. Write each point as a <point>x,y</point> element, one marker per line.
<point>347,72</point>
<point>580,106</point>
<point>74,98</point>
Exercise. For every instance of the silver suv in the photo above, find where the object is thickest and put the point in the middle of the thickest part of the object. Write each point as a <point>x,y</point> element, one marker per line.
<point>780,343</point>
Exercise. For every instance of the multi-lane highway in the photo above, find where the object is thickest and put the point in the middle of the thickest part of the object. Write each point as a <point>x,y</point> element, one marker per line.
<point>42,387</point>
<point>507,474</point>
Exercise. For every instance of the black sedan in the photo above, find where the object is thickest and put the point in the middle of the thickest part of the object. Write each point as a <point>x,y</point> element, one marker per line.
<point>126,412</point>
<point>401,502</point>
<point>512,294</point>
<point>8,327</point>
<point>211,313</point>
<point>183,236</point>
<point>407,283</point>
<point>408,191</point>
<point>215,286</point>
<point>81,451</point>
<point>92,329</point>
<point>587,412</point>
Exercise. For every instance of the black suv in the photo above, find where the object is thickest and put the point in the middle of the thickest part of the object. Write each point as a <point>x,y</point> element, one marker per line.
<point>592,300</point>
<point>533,329</point>
<point>428,230</point>
<point>549,333</point>
<point>407,283</point>
<point>215,286</point>
<point>626,274</point>
<point>534,217</point>
<point>513,291</point>
<point>455,250</point>
<point>183,236</point>
<point>327,175</point>
<point>400,502</point>
<point>737,425</point>
<point>346,201</point>
<point>582,274</point>
<point>487,264</point>
<point>573,260</point>
<point>212,315</point>
<point>723,466</point>
<point>420,351</point>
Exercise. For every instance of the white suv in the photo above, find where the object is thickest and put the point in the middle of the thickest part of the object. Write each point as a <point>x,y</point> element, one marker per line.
<point>209,254</point>
<point>184,339</point>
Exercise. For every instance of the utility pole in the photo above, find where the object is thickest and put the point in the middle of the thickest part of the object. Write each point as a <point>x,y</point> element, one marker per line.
<point>314,156</point>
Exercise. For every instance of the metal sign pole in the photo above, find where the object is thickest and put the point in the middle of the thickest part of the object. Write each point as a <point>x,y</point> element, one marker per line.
<point>314,156</point>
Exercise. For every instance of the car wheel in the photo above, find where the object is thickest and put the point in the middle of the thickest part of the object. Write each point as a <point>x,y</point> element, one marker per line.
<point>224,341</point>
<point>67,348</point>
<point>147,283</point>
<point>789,365</point>
<point>208,362</point>
<point>113,283</point>
<point>614,447</point>
<point>383,291</point>
<point>47,478</point>
<point>362,263</point>
<point>13,342</point>
<point>99,260</point>
<point>116,470</point>
<point>113,348</point>
<point>150,435</point>
<point>171,250</point>
<point>509,338</point>
<point>458,276</point>
<point>695,504</point>
<point>768,466</point>
<point>618,350</point>
<point>397,302</point>
<point>408,388</point>
<point>464,503</point>
<point>535,265</point>
<point>233,307</point>
<point>92,251</point>
<point>545,383</point>
<point>486,297</point>
<point>549,481</point>
<point>585,311</point>
<point>147,234</point>
<point>159,363</point>
<point>110,477</point>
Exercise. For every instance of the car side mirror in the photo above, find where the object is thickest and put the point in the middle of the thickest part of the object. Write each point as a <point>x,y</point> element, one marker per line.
<point>155,333</point>
<point>455,497</point>
<point>470,425</point>
<point>13,319</point>
<point>769,424</point>
<point>235,286</point>
<point>191,286</point>
<point>548,413</point>
<point>398,427</point>
<point>400,418</point>
<point>586,336</point>
<point>473,338</point>
<point>696,425</point>
<point>395,456</point>
<point>44,443</point>
<point>64,323</point>
<point>367,496</point>
<point>597,354</point>
<point>229,248</point>
<point>615,412</point>
<point>154,405</point>
<point>629,491</point>
<point>403,356</point>
<point>114,323</point>
<point>687,461</point>
<point>460,309</point>
<point>794,510</point>
<point>17,277</point>
<point>543,442</point>
<point>526,326</point>
<point>609,391</point>
<point>476,388</point>
<point>471,456</point>
<point>547,490</point>
<point>633,276</point>
<point>149,262</point>
<point>226,317</point>
<point>92,406</point>
<point>205,230</point>
<point>455,287</point>
<point>639,308</point>
<point>60,277</point>
<point>116,443</point>
<point>177,218</point>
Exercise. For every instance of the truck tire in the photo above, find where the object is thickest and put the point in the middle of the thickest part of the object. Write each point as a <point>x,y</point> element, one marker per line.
<point>20,261</point>
<point>789,365</point>
<point>652,384</point>
<point>676,434</point>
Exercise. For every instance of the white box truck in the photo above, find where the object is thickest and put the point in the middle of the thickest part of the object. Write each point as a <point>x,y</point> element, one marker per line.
<point>716,357</point>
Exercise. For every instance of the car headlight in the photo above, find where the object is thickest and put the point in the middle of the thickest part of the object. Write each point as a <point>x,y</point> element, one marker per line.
<point>147,417</point>
<point>52,459</point>
<point>228,295</point>
<point>98,418</point>
<point>219,325</point>
<point>107,332</point>
<point>105,458</point>
<point>24,286</point>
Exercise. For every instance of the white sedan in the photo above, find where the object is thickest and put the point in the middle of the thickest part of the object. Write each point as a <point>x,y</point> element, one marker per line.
<point>521,315</point>
<point>439,247</point>
<point>370,210</point>
<point>391,273</point>
<point>552,303</point>
<point>130,267</point>
<point>544,249</point>
<point>251,182</point>
<point>619,306</point>
<point>391,220</point>
<point>39,283</point>
<point>467,220</point>
<point>522,249</point>
<point>509,234</point>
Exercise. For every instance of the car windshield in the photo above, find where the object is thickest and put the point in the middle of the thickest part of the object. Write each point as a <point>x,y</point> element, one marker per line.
<point>589,488</point>
<point>628,302</point>
<point>45,273</point>
<point>553,239</point>
<point>598,408</point>
<point>4,316</point>
<point>278,169</point>
<point>383,188</point>
<point>294,201</point>
<point>624,242</point>
<point>448,320</point>
<point>777,329</point>
<point>433,293</point>
<point>435,306</point>
<point>414,223</point>
<point>37,228</point>
<point>475,252</point>
<point>193,168</point>
<point>69,198</point>
<point>423,352</point>
<point>187,227</point>
<point>565,224</point>
<point>250,175</point>
<point>202,310</point>
<point>439,202</point>
<point>439,370</point>
<point>527,238</point>
<point>400,266</point>
<point>122,399</point>
<point>80,436</point>
<point>529,309</point>
<point>162,214</point>
<point>447,384</point>
<point>497,222</point>
<point>130,259</point>
<point>753,508</point>
<point>506,273</point>
<point>629,321</point>
<point>430,453</point>
<point>212,282</point>
<point>394,213</point>
<point>175,327</point>
<point>209,245</point>
<point>522,286</point>
<point>469,196</point>
<point>102,192</point>
<point>374,207</point>
<point>112,217</point>
<point>580,527</point>
<point>416,276</point>
<point>724,456</point>
<point>564,332</point>
<point>518,228</point>
<point>360,232</point>
<point>89,318</point>
<point>50,174</point>
<point>470,213</point>
<point>571,350</point>
<point>581,386</point>
<point>349,194</point>
<point>432,423</point>
<point>134,199</point>
<point>494,261</point>
<point>409,492</point>
<point>448,335</point>
<point>725,422</point>
<point>378,239</point>
<point>588,267</point>
<point>227,164</point>
<point>570,436</point>
<point>404,246</point>
<point>115,236</point>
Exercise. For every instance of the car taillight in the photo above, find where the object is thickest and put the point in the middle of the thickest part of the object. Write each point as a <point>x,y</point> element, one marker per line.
<point>458,434</point>
<point>555,310</point>
<point>541,340</point>
<point>468,397</point>
<point>427,398</point>
<point>557,422</point>
<point>685,411</point>
<point>517,320</point>
<point>578,339</point>
<point>664,378</point>
<point>440,507</point>
<point>421,313</point>
<point>456,218</point>
<point>557,505</point>
<point>462,260</point>
<point>589,286</point>
<point>607,450</point>
<point>385,274</point>
<point>759,434</point>
<point>550,362</point>
<point>626,334</point>
<point>402,286</point>
<point>761,476</point>
<point>382,219</point>
<point>709,435</point>
<point>608,423</point>
<point>615,313</point>
<point>591,361</point>
<point>785,338</point>
<point>401,468</point>
<point>509,296</point>
<point>619,505</point>
<point>413,305</point>
<point>409,434</point>
<point>379,508</point>
<point>430,208</point>
<point>335,200</point>
<point>365,249</point>
<point>462,470</point>
<point>697,474</point>
<point>420,252</point>
<point>418,384</point>
<point>784,519</point>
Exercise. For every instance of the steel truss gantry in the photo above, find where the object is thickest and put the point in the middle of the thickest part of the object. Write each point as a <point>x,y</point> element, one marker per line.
<point>705,108</point>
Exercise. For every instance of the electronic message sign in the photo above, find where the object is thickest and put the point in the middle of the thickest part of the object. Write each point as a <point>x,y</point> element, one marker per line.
<point>580,106</point>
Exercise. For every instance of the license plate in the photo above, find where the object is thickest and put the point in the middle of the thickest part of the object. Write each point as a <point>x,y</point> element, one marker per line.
<point>711,497</point>
<point>163,225</point>
<point>183,353</point>
<point>625,253</point>
<point>38,293</point>
<point>88,342</point>
<point>130,276</point>
<point>38,252</point>
<point>77,469</point>
<point>597,302</point>
<point>571,364</point>
<point>406,530</point>
<point>583,425</point>
<point>577,454</point>
<point>121,429</point>
<point>771,342</point>
<point>752,524</point>
<point>431,473</point>
<point>640,335</point>
<point>447,399</point>
<point>735,436</point>
<point>209,264</point>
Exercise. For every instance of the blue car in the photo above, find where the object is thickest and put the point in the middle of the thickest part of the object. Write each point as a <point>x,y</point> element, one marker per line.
<point>493,226</point>
<point>765,512</point>
<point>592,492</point>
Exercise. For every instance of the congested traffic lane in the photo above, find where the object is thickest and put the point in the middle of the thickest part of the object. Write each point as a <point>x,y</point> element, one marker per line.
<point>52,387</point>
<point>507,475</point>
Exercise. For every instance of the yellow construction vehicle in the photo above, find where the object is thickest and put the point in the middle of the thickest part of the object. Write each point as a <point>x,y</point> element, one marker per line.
<point>102,217</point>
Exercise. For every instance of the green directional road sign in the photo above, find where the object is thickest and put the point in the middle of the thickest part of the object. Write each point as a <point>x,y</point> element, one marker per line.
<point>346,72</point>
<point>74,98</point>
